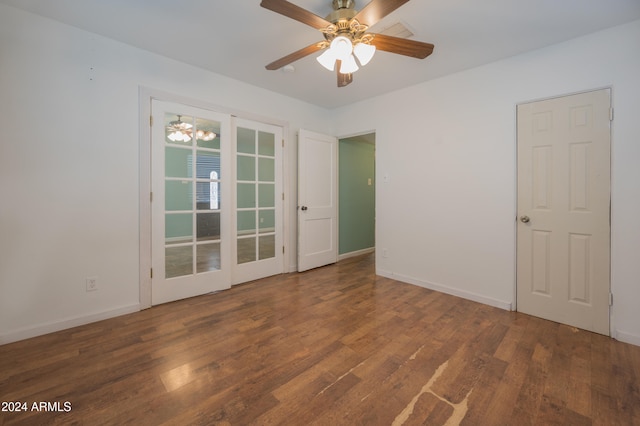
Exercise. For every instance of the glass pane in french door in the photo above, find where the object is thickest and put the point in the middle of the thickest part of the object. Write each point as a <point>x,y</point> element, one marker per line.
<point>256,195</point>
<point>192,188</point>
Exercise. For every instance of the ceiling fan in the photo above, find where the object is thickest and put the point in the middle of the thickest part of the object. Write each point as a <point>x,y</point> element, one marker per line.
<point>346,37</point>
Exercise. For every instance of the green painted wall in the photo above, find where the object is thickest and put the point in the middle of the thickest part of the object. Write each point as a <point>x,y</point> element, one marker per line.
<point>356,196</point>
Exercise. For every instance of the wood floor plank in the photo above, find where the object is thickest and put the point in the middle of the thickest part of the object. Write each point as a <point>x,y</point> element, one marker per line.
<point>333,346</point>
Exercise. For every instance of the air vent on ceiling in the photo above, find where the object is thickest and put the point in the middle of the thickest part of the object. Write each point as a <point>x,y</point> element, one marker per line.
<point>397,30</point>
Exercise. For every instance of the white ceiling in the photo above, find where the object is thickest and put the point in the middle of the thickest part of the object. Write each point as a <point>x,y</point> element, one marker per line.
<point>237,38</point>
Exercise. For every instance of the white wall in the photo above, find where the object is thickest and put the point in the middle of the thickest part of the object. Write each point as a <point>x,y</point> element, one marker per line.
<point>446,214</point>
<point>69,166</point>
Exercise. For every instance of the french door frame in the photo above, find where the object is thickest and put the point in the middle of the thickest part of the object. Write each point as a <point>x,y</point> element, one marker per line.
<point>146,96</point>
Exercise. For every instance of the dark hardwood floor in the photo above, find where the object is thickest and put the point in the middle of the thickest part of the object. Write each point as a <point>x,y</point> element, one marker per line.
<point>333,346</point>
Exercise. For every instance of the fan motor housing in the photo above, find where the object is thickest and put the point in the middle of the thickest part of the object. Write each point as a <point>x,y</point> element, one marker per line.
<point>343,11</point>
<point>343,4</point>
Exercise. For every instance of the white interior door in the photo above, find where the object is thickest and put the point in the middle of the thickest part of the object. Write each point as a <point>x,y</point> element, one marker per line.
<point>258,199</point>
<point>191,202</point>
<point>563,249</point>
<point>317,200</point>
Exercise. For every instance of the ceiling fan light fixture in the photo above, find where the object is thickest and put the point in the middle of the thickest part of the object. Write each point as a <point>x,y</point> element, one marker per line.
<point>364,52</point>
<point>205,135</point>
<point>179,131</point>
<point>327,59</point>
<point>348,65</point>
<point>342,47</point>
<point>178,136</point>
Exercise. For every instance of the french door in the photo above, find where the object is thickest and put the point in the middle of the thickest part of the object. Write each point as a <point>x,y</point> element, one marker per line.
<point>191,201</point>
<point>258,200</point>
<point>216,209</point>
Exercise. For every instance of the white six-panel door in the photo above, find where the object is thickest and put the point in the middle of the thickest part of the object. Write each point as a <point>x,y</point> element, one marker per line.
<point>563,231</point>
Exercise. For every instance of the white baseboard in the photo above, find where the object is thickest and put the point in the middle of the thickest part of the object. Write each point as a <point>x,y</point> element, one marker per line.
<point>625,337</point>
<point>294,268</point>
<point>52,327</point>
<point>356,253</point>
<point>448,290</point>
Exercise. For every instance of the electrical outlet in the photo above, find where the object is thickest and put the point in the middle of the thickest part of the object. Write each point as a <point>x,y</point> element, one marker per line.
<point>92,283</point>
<point>385,252</point>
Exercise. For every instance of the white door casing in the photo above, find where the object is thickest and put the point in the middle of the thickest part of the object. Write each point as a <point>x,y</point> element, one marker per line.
<point>317,200</point>
<point>563,223</point>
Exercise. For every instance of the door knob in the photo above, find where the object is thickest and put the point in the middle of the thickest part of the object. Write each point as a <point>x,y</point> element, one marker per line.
<point>303,208</point>
<point>524,219</point>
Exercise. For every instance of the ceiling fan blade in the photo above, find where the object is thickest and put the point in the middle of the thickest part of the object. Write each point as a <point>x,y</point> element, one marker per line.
<point>402,46</point>
<point>292,57</point>
<point>343,79</point>
<point>293,11</point>
<point>375,10</point>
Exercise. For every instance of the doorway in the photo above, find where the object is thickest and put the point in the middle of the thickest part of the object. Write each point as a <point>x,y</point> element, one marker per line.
<point>336,197</point>
<point>563,223</point>
<point>357,195</point>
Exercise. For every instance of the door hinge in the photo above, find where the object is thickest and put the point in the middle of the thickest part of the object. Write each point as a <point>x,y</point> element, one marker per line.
<point>610,299</point>
<point>282,249</point>
<point>283,143</point>
<point>610,114</point>
<point>283,196</point>
<point>151,121</point>
<point>151,272</point>
<point>151,197</point>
